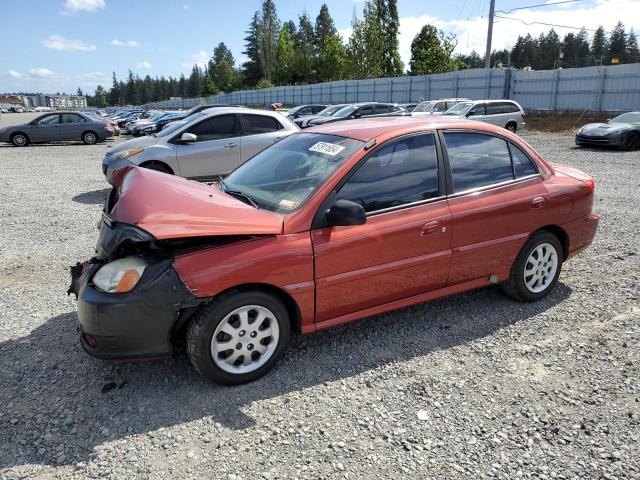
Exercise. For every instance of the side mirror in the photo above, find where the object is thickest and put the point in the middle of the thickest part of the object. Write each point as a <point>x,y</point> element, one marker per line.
<point>188,138</point>
<point>346,212</point>
<point>469,113</point>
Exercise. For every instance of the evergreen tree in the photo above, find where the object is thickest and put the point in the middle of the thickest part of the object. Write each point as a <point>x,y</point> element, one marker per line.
<point>194,86</point>
<point>283,71</point>
<point>182,86</point>
<point>364,59</point>
<point>473,60</point>
<point>332,61</point>
<point>222,68</point>
<point>548,51</point>
<point>208,87</point>
<point>431,52</point>
<point>267,35</point>
<point>582,49</point>
<point>132,95</point>
<point>501,57</point>
<point>251,71</point>
<point>304,51</point>
<point>386,13</point>
<point>114,93</point>
<point>599,46</point>
<point>324,29</point>
<point>99,97</point>
<point>79,92</point>
<point>617,44</point>
<point>632,53</point>
<point>290,25</point>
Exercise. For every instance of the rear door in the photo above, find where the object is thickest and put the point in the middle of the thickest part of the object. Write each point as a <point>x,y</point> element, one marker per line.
<point>497,113</point>
<point>71,126</point>
<point>495,203</point>
<point>216,150</point>
<point>258,132</point>
<point>364,111</point>
<point>47,129</point>
<point>403,249</point>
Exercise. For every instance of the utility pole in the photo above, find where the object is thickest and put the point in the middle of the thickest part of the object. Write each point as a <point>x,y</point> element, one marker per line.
<point>487,56</point>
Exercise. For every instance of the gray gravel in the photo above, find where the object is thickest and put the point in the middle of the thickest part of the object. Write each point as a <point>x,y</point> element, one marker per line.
<point>473,386</point>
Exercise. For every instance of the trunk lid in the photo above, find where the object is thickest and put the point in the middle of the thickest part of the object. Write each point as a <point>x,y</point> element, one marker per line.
<point>174,207</point>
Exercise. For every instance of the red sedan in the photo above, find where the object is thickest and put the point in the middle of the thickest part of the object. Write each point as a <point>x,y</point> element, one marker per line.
<point>327,226</point>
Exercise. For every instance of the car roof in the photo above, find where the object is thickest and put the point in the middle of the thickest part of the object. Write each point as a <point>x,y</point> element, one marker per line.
<point>365,129</point>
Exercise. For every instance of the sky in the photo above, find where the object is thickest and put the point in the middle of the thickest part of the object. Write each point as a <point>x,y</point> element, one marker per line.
<point>60,45</point>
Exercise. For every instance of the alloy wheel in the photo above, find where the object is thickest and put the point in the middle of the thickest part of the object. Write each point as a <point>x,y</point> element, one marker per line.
<point>245,339</point>
<point>540,268</point>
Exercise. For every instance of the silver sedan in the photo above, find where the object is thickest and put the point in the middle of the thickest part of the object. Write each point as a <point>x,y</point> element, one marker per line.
<point>206,145</point>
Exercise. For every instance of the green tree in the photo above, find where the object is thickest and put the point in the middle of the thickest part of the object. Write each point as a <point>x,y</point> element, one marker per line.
<point>304,51</point>
<point>132,95</point>
<point>332,61</point>
<point>599,46</point>
<point>632,53</point>
<point>385,12</point>
<point>222,68</point>
<point>617,44</point>
<point>264,83</point>
<point>364,59</point>
<point>79,92</point>
<point>267,35</point>
<point>194,85</point>
<point>182,86</point>
<point>498,57</point>
<point>431,52</point>
<point>114,93</point>
<point>208,87</point>
<point>473,60</point>
<point>324,29</point>
<point>283,70</point>
<point>100,97</point>
<point>548,51</point>
<point>251,70</point>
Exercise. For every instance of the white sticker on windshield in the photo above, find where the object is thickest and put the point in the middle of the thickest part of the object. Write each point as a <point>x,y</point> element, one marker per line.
<point>327,148</point>
<point>288,204</point>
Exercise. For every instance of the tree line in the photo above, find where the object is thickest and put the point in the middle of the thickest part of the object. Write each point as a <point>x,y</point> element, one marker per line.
<point>308,51</point>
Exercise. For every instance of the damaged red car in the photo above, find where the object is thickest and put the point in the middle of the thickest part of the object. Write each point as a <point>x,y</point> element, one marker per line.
<point>331,225</point>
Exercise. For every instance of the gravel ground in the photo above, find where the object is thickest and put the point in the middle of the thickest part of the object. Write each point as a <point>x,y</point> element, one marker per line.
<point>472,386</point>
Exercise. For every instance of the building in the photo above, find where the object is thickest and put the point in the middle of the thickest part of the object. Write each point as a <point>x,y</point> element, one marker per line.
<point>64,102</point>
<point>60,102</point>
<point>7,101</point>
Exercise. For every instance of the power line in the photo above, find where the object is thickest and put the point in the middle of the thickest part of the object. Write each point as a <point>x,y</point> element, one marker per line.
<point>544,23</point>
<point>509,10</point>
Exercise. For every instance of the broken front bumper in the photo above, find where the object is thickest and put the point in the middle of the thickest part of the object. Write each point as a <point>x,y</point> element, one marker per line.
<point>133,325</point>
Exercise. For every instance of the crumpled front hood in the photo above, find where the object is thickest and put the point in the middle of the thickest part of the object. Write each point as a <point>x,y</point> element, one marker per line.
<point>173,207</point>
<point>139,142</point>
<point>603,128</point>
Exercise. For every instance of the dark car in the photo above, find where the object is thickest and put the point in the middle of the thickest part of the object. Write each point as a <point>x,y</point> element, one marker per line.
<point>303,121</point>
<point>303,110</point>
<point>358,110</point>
<point>622,132</point>
<point>55,127</point>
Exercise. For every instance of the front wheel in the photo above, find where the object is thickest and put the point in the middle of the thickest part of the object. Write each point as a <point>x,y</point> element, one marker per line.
<point>537,268</point>
<point>632,141</point>
<point>238,337</point>
<point>20,140</point>
<point>89,138</point>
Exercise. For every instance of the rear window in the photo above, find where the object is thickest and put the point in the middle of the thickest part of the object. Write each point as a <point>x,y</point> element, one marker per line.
<point>477,160</point>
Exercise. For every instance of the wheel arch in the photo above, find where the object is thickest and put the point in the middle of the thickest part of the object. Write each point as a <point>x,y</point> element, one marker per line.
<point>146,163</point>
<point>560,234</point>
<point>19,132</point>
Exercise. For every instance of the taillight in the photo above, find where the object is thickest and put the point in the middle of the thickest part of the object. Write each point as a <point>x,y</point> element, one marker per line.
<point>591,185</point>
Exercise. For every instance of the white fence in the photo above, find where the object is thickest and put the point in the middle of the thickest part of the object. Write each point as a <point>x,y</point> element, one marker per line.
<point>600,89</point>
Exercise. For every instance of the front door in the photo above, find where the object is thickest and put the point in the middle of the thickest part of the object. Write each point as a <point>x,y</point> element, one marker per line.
<point>404,247</point>
<point>216,150</point>
<point>47,129</point>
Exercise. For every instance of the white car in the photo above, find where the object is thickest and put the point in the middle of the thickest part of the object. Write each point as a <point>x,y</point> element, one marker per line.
<point>503,113</point>
<point>436,107</point>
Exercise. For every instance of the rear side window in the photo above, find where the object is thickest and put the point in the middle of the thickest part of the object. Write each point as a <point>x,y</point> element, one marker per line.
<point>50,120</point>
<point>477,160</point>
<point>367,110</point>
<point>71,118</point>
<point>522,164</point>
<point>317,108</point>
<point>383,109</point>
<point>215,128</point>
<point>403,172</point>
<point>257,124</point>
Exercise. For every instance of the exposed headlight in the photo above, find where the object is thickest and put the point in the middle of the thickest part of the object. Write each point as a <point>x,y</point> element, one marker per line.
<point>127,153</point>
<point>119,276</point>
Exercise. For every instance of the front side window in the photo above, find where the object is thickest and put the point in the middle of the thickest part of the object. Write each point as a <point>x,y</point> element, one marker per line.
<point>440,107</point>
<point>215,128</point>
<point>50,120</point>
<point>403,172</point>
<point>368,110</point>
<point>257,124</point>
<point>477,160</point>
<point>383,109</point>
<point>476,110</point>
<point>284,176</point>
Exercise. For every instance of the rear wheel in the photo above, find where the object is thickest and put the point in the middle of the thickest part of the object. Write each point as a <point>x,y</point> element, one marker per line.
<point>20,140</point>
<point>537,268</point>
<point>89,138</point>
<point>512,127</point>
<point>632,141</point>
<point>238,337</point>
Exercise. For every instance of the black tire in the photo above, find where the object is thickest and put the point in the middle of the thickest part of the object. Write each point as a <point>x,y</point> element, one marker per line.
<point>19,140</point>
<point>512,127</point>
<point>632,141</point>
<point>158,167</point>
<point>90,138</point>
<point>203,326</point>
<point>515,286</point>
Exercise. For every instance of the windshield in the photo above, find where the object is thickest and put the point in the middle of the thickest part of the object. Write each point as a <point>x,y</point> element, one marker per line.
<point>459,109</point>
<point>632,117</point>
<point>345,111</point>
<point>294,110</point>
<point>284,176</point>
<point>330,111</point>
<point>171,128</point>
<point>424,107</point>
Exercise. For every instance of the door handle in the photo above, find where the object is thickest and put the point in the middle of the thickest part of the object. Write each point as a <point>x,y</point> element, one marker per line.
<point>231,145</point>
<point>538,202</point>
<point>431,227</point>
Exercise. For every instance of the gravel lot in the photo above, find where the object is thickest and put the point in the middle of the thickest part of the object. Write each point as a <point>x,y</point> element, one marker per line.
<point>472,386</point>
